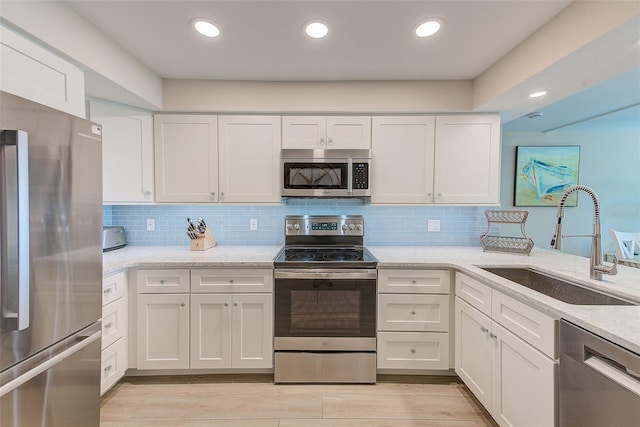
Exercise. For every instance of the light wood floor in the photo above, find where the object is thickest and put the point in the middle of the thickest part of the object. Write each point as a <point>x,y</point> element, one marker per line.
<point>253,400</point>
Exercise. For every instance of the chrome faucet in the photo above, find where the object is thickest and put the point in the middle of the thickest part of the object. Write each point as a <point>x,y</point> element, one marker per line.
<point>597,268</point>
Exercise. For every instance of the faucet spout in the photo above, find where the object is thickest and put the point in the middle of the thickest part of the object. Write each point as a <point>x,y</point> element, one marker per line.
<point>597,268</point>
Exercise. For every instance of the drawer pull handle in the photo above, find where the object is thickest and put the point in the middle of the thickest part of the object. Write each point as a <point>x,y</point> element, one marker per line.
<point>483,329</point>
<point>108,325</point>
<point>231,281</point>
<point>162,282</point>
<point>413,282</point>
<point>413,351</point>
<point>413,313</point>
<point>492,335</point>
<point>108,291</point>
<point>108,368</point>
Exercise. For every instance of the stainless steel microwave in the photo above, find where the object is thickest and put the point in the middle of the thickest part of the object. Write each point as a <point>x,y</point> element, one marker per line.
<point>326,173</point>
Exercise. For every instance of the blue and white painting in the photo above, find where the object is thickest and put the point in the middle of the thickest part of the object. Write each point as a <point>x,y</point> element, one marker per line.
<point>543,173</point>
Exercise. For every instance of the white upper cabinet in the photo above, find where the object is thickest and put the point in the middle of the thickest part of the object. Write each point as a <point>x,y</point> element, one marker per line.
<point>186,158</point>
<point>127,152</point>
<point>249,164</point>
<point>467,159</point>
<point>33,72</point>
<point>402,156</point>
<point>320,132</point>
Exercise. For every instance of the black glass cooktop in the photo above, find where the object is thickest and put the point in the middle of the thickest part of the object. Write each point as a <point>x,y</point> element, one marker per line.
<point>313,256</point>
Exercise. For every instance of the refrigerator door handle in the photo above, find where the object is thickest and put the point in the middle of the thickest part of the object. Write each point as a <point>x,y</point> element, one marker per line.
<point>14,210</point>
<point>34,372</point>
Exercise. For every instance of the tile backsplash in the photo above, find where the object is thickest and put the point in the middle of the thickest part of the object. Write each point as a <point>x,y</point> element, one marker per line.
<point>384,225</point>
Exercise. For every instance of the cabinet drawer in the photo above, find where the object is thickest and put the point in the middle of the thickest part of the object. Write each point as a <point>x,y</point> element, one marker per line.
<point>529,324</point>
<point>413,350</point>
<point>114,322</point>
<point>414,281</point>
<point>163,281</point>
<point>114,364</point>
<point>113,287</point>
<point>474,293</point>
<point>231,280</point>
<point>401,312</point>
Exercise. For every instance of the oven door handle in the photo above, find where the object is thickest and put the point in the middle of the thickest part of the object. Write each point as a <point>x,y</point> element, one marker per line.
<point>318,273</point>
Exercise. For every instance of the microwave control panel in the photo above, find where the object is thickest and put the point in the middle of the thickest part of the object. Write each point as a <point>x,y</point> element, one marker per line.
<point>360,176</point>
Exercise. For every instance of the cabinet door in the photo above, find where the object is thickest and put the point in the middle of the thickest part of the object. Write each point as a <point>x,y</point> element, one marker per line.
<point>33,72</point>
<point>402,159</point>
<point>211,330</point>
<point>127,152</point>
<point>252,340</point>
<point>350,132</point>
<point>404,312</point>
<point>186,158</point>
<point>163,331</point>
<point>473,350</point>
<point>523,388</point>
<point>249,161</point>
<point>304,132</point>
<point>467,159</point>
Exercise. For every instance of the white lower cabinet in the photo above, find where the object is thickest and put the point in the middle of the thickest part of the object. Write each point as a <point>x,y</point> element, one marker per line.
<point>515,381</point>
<point>114,358</point>
<point>231,331</point>
<point>163,331</point>
<point>413,320</point>
<point>205,330</point>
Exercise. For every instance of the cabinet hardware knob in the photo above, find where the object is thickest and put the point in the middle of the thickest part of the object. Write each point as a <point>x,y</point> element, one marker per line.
<point>235,304</point>
<point>146,193</point>
<point>108,325</point>
<point>330,141</point>
<point>483,329</point>
<point>413,351</point>
<point>413,282</point>
<point>162,282</point>
<point>226,304</point>
<point>107,369</point>
<point>413,313</point>
<point>321,141</point>
<point>231,281</point>
<point>108,291</point>
<point>182,304</point>
<point>492,335</point>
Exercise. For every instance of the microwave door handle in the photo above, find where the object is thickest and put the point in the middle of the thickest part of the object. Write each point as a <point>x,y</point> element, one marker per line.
<point>350,177</point>
<point>14,228</point>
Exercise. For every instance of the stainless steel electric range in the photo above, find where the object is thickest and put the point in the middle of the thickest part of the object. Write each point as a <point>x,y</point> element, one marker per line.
<point>325,302</point>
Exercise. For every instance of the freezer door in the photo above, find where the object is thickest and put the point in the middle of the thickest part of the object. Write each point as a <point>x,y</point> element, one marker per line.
<point>59,387</point>
<point>50,227</point>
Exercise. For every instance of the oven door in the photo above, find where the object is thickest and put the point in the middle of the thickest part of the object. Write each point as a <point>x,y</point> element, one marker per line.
<point>322,310</point>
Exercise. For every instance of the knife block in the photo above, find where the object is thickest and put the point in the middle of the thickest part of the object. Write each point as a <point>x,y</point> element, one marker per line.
<point>203,241</point>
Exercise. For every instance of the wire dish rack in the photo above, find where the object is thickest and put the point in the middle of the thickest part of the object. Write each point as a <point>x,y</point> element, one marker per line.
<point>510,244</point>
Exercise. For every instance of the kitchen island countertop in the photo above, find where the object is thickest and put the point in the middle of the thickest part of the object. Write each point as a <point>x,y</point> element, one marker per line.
<point>619,324</point>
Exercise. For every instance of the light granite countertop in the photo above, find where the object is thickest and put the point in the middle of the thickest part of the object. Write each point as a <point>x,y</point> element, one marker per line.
<point>619,324</point>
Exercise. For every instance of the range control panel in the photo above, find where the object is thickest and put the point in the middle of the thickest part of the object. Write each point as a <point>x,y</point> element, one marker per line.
<point>341,225</point>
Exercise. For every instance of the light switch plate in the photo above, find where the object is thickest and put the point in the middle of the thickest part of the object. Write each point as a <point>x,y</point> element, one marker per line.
<point>433,225</point>
<point>253,224</point>
<point>151,224</point>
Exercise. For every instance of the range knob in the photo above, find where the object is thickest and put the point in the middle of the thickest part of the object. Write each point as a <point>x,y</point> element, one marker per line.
<point>296,227</point>
<point>359,227</point>
<point>289,227</point>
<point>352,227</point>
<point>344,227</point>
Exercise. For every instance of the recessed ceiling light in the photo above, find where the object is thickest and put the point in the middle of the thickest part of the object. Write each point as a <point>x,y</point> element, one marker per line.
<point>537,94</point>
<point>205,27</point>
<point>316,29</point>
<point>428,28</point>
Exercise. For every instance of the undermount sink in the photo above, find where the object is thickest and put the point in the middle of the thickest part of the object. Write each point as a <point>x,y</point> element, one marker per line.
<point>559,289</point>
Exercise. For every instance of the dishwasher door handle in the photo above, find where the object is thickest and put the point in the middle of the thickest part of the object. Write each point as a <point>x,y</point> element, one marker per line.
<point>616,373</point>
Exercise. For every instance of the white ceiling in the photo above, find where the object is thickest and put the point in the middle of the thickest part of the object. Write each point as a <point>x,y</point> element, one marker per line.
<point>368,40</point>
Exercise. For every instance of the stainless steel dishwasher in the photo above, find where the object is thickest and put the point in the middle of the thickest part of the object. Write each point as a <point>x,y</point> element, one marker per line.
<point>599,381</point>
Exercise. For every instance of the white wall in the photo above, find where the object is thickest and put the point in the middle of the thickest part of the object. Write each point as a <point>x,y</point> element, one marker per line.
<point>609,164</point>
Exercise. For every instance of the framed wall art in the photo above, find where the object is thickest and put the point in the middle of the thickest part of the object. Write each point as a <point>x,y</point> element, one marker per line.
<point>543,173</point>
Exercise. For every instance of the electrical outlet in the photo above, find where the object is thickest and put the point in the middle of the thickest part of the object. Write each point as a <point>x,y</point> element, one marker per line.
<point>151,224</point>
<point>253,224</point>
<point>433,225</point>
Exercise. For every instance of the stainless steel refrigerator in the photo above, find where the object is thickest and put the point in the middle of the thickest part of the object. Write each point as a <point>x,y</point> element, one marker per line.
<point>50,266</point>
